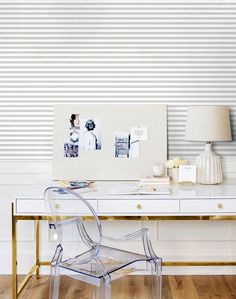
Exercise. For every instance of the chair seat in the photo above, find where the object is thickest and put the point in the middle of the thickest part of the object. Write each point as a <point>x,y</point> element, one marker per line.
<point>111,259</point>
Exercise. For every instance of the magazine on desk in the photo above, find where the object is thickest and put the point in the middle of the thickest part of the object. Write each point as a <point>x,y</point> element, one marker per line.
<point>71,185</point>
<point>134,190</point>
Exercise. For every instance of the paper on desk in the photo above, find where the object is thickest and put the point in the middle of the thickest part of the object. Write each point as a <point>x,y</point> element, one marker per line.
<point>134,190</point>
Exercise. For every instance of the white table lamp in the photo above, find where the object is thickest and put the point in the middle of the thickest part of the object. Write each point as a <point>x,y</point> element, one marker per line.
<point>208,123</point>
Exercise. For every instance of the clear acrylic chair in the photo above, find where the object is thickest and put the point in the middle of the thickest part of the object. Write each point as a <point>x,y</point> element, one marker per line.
<point>82,254</point>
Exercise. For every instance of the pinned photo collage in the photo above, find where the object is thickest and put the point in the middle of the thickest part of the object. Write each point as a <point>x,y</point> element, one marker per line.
<point>127,144</point>
<point>84,134</point>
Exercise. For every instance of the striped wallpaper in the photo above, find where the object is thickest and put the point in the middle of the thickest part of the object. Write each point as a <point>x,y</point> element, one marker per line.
<point>174,52</point>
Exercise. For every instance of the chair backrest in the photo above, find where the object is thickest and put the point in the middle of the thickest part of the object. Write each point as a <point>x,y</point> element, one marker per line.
<point>68,211</point>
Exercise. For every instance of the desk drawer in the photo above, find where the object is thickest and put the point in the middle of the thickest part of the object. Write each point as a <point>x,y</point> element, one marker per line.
<point>37,206</point>
<point>208,206</point>
<point>138,206</point>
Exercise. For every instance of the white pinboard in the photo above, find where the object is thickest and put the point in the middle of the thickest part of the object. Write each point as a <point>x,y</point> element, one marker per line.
<point>102,164</point>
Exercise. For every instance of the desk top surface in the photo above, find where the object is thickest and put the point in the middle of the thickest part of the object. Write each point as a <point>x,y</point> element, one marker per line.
<point>102,188</point>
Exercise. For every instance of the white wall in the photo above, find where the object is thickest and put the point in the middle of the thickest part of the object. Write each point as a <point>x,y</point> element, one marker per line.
<point>173,240</point>
<point>113,50</point>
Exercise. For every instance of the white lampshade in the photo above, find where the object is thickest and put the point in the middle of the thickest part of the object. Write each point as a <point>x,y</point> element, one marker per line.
<point>208,123</point>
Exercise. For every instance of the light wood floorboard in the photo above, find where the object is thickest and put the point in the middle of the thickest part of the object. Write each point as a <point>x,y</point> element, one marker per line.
<point>174,287</point>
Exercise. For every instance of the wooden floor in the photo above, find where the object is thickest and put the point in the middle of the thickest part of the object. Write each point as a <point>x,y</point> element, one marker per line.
<point>174,287</point>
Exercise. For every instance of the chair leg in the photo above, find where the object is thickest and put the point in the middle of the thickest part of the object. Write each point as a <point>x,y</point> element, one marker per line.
<point>107,290</point>
<point>54,282</point>
<point>156,271</point>
<point>104,291</point>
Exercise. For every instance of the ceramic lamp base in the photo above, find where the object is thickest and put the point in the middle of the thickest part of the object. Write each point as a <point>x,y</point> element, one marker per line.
<point>209,170</point>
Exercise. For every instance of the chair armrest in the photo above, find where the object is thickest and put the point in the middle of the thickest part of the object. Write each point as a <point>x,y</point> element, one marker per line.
<point>142,233</point>
<point>138,234</point>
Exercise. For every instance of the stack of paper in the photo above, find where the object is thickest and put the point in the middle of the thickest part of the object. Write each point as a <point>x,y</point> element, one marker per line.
<point>164,180</point>
<point>134,190</point>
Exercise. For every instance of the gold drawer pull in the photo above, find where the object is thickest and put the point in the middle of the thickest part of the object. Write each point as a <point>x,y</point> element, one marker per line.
<point>57,206</point>
<point>220,206</point>
<point>139,206</point>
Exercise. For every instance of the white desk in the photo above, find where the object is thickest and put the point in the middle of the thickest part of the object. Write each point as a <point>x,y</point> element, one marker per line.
<point>200,202</point>
<point>196,200</point>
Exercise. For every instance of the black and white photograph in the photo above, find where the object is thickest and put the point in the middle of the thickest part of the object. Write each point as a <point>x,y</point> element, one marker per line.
<point>90,134</point>
<point>75,120</point>
<point>71,150</point>
<point>121,144</point>
<point>126,145</point>
<point>74,135</point>
<point>74,128</point>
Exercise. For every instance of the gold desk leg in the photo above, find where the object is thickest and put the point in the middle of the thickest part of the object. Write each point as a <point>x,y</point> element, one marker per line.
<point>14,254</point>
<point>27,278</point>
<point>37,248</point>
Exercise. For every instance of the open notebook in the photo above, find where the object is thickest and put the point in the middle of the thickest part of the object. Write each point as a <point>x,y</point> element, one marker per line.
<point>134,190</point>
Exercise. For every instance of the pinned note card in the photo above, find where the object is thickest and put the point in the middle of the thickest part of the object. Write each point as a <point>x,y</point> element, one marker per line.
<point>139,133</point>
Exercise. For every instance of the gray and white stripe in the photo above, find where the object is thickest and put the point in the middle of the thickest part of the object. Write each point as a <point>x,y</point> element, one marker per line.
<point>174,52</point>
